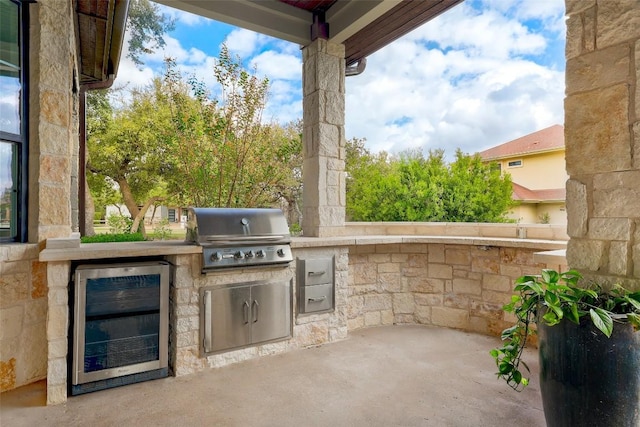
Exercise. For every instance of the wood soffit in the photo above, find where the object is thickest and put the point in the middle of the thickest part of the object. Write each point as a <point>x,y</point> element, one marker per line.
<point>363,26</point>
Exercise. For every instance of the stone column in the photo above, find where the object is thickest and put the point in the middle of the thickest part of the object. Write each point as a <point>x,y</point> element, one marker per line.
<point>53,125</point>
<point>602,136</point>
<point>323,138</point>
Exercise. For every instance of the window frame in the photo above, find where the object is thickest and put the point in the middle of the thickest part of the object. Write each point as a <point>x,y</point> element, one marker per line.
<point>518,165</point>
<point>21,139</point>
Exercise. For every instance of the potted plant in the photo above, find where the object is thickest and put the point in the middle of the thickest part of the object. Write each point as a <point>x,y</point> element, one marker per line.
<point>589,370</point>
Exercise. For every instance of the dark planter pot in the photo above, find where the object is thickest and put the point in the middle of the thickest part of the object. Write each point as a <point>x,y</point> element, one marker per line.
<point>587,379</point>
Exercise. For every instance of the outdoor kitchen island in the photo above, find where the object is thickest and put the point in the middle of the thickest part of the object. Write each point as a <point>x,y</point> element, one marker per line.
<point>458,282</point>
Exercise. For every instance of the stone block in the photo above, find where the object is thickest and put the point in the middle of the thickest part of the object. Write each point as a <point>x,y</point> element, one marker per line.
<point>428,299</point>
<point>479,308</point>
<point>414,248</point>
<point>636,260</point>
<point>403,303</point>
<point>56,394</point>
<point>355,324</point>
<point>637,97</point>
<point>496,282</point>
<point>610,229</point>
<point>589,29</point>
<point>423,315</point>
<point>456,301</point>
<point>467,286</point>
<point>436,253</point>
<point>618,21</point>
<point>450,317</point>
<point>457,256</point>
<point>577,208</point>
<point>619,258</point>
<point>54,107</point>
<point>11,321</point>
<point>586,254</point>
<point>616,194</point>
<point>598,69</point>
<point>425,285</point>
<point>636,126</point>
<point>386,317</point>
<point>38,279</point>
<point>364,273</point>
<point>576,6</point>
<point>14,288</point>
<point>485,265</point>
<point>594,145</point>
<point>440,271</point>
<point>515,256</point>
<point>57,348</point>
<point>35,312</point>
<point>377,302</point>
<point>404,319</point>
<point>58,275</point>
<point>388,267</point>
<point>511,271</point>
<point>372,318</point>
<point>7,374</point>
<point>574,43</point>
<point>57,371</point>
<point>390,282</point>
<point>57,322</point>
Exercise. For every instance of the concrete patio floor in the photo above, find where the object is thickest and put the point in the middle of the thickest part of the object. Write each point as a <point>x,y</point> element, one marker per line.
<point>384,376</point>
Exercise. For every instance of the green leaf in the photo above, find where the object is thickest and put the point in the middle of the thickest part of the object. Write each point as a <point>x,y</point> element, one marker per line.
<point>602,320</point>
<point>550,276</point>
<point>634,319</point>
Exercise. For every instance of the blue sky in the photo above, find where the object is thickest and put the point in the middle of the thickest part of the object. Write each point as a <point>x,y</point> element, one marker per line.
<point>483,73</point>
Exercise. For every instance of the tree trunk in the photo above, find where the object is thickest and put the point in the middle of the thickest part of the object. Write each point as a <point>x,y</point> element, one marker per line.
<point>90,211</point>
<point>129,201</point>
<point>139,219</point>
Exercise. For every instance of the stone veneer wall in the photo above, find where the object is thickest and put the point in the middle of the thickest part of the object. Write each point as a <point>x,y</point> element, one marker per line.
<point>449,285</point>
<point>602,136</point>
<point>323,138</point>
<point>53,150</point>
<point>23,315</point>
<point>308,330</point>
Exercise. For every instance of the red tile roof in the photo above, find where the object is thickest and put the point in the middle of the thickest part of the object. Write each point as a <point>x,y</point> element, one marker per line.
<point>549,139</point>
<point>525,195</point>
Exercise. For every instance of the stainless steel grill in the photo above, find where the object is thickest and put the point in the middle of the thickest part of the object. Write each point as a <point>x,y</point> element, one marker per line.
<point>240,237</point>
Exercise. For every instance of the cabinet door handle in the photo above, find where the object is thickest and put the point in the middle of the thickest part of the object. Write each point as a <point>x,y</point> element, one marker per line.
<point>255,313</point>
<point>207,321</point>
<point>316,273</point>
<point>245,311</point>
<point>318,299</point>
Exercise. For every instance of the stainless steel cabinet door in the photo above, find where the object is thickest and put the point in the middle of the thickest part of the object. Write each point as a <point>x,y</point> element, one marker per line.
<point>227,318</point>
<point>270,311</point>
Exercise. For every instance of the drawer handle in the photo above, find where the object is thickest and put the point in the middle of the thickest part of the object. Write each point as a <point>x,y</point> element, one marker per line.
<point>316,273</point>
<point>319,299</point>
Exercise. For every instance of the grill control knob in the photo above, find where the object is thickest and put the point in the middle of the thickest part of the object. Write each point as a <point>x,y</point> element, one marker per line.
<point>249,254</point>
<point>216,256</point>
<point>239,255</point>
<point>260,253</point>
<point>280,252</point>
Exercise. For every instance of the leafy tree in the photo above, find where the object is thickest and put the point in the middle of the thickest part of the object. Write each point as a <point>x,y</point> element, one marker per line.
<point>126,149</point>
<point>147,26</point>
<point>413,188</point>
<point>221,152</point>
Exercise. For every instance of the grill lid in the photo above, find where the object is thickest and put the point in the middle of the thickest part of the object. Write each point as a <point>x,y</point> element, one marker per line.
<point>236,226</point>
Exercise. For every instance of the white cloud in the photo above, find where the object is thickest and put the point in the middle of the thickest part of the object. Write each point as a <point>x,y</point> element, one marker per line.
<point>245,42</point>
<point>180,16</point>
<point>276,65</point>
<point>463,80</point>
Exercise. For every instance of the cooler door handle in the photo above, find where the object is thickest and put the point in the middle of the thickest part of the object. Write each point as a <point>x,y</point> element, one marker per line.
<point>317,299</point>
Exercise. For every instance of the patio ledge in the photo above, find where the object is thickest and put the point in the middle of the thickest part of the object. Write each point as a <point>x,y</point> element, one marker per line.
<point>154,248</point>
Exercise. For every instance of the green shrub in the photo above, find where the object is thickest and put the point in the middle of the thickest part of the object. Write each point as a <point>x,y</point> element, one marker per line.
<point>118,237</point>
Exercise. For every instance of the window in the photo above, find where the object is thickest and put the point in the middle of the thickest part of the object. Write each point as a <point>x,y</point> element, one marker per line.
<point>13,145</point>
<point>515,163</point>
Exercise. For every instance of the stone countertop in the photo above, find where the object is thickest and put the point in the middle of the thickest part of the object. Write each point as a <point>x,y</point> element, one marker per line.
<point>86,251</point>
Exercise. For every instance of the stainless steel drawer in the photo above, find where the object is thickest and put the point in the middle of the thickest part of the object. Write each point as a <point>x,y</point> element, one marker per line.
<point>316,271</point>
<point>317,298</point>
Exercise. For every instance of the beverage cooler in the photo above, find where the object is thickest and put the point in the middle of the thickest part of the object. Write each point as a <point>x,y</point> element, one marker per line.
<point>120,325</point>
